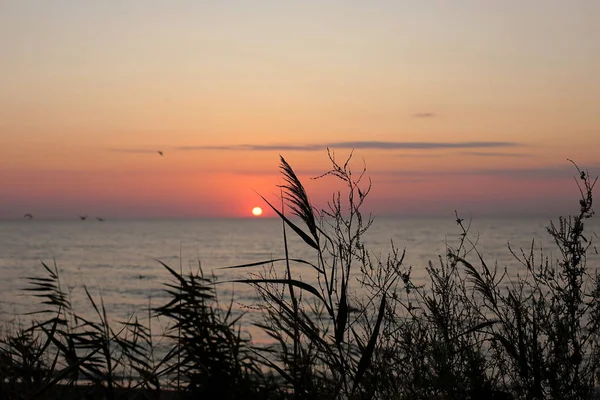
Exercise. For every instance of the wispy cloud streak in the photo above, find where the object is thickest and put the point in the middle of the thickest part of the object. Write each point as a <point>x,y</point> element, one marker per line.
<point>252,147</point>
<point>492,154</point>
<point>510,173</point>
<point>134,151</point>
<point>363,145</point>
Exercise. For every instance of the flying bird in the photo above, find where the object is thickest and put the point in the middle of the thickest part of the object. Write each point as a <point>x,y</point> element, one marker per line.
<point>100,219</point>
<point>159,152</point>
<point>28,216</point>
<point>83,217</point>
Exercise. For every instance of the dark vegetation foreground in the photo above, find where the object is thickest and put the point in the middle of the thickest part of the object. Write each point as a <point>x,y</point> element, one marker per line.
<point>474,332</point>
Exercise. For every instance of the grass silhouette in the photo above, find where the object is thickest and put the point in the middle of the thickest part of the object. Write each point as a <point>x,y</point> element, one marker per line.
<point>473,332</point>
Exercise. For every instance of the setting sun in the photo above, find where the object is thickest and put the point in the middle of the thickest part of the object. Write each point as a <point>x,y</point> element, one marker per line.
<point>257,211</point>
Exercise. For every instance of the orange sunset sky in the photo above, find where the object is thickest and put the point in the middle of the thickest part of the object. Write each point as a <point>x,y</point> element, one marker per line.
<point>468,105</point>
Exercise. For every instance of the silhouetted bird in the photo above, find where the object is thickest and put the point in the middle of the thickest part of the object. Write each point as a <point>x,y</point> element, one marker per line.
<point>160,152</point>
<point>100,219</point>
<point>28,216</point>
<point>83,217</point>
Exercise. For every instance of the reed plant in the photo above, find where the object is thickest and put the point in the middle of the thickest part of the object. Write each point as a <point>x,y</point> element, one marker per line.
<point>61,349</point>
<point>209,357</point>
<point>546,331</point>
<point>65,355</point>
<point>324,344</point>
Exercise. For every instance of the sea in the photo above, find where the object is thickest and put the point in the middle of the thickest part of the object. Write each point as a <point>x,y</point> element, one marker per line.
<point>119,261</point>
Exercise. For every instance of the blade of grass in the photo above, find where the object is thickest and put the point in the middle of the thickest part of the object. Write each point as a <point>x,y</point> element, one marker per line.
<point>294,282</point>
<point>365,359</point>
<point>258,263</point>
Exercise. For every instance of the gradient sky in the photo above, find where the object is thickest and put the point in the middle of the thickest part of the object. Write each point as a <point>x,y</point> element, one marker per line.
<point>468,105</point>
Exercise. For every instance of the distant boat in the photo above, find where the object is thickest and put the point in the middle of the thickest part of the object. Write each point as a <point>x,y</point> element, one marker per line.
<point>28,216</point>
<point>100,219</point>
<point>83,217</point>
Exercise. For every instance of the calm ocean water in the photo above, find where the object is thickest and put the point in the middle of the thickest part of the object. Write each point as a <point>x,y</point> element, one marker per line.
<point>117,259</point>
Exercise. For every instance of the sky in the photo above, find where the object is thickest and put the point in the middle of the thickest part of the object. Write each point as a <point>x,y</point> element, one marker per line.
<point>466,105</point>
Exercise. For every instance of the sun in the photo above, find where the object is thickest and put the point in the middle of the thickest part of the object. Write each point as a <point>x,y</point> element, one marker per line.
<point>257,211</point>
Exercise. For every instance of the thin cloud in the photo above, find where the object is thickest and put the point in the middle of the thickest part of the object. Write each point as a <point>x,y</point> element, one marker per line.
<point>134,151</point>
<point>567,172</point>
<point>420,145</point>
<point>424,115</point>
<point>252,147</point>
<point>363,145</point>
<point>492,154</point>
